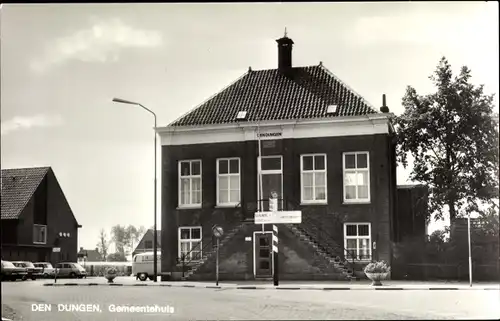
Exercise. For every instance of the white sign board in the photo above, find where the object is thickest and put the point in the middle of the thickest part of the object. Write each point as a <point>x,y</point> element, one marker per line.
<point>282,217</point>
<point>56,249</point>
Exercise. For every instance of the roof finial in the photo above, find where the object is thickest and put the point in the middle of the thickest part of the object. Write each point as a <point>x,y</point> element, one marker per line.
<point>285,32</point>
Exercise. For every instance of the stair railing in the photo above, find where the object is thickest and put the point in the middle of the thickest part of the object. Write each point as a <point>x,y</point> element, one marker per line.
<point>187,258</point>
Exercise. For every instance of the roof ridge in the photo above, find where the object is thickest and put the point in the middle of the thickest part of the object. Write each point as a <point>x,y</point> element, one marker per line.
<point>23,168</point>
<point>209,98</point>
<point>343,83</point>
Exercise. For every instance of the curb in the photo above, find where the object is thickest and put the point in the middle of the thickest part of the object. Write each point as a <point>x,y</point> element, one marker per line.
<point>274,288</point>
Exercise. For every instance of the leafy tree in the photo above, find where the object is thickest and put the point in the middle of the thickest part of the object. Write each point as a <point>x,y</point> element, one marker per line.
<point>103,244</point>
<point>126,237</point>
<point>120,238</point>
<point>116,257</point>
<point>452,135</point>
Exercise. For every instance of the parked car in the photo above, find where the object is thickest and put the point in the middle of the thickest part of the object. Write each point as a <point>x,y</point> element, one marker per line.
<point>32,271</point>
<point>70,269</point>
<point>47,269</point>
<point>12,272</point>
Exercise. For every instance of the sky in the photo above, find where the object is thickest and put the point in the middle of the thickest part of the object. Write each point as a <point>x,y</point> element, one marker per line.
<point>61,65</point>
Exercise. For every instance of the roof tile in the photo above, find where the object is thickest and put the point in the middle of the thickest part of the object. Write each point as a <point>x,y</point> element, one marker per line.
<point>18,185</point>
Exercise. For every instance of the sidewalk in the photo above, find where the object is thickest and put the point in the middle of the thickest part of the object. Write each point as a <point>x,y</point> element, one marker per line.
<point>283,285</point>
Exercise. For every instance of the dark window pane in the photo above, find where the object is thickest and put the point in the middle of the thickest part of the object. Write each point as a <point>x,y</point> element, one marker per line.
<point>307,163</point>
<point>264,265</point>
<point>362,161</point>
<point>185,234</point>
<point>319,162</point>
<point>196,168</point>
<point>363,230</point>
<point>264,253</point>
<point>234,167</point>
<point>185,170</point>
<point>196,233</point>
<point>149,244</point>
<point>223,166</point>
<point>264,241</point>
<point>350,161</point>
<point>273,163</point>
<point>351,230</point>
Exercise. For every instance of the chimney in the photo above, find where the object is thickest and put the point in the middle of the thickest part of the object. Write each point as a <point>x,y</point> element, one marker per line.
<point>384,107</point>
<point>285,45</point>
<point>81,249</point>
<point>97,249</point>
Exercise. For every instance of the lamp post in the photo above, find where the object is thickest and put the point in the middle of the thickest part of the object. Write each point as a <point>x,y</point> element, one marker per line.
<point>155,255</point>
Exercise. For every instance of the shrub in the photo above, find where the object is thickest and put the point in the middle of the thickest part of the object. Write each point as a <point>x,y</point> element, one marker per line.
<point>377,267</point>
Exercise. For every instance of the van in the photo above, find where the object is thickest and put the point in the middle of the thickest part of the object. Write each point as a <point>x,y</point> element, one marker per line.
<point>70,269</point>
<point>143,265</point>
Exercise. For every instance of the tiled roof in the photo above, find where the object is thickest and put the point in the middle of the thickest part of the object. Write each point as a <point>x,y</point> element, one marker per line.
<point>270,95</point>
<point>92,255</point>
<point>18,186</point>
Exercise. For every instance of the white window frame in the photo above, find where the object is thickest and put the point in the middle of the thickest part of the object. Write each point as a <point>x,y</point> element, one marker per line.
<point>229,159</point>
<point>357,237</point>
<point>190,241</point>
<point>263,172</point>
<point>44,227</point>
<point>314,171</point>
<point>356,170</point>
<point>191,204</point>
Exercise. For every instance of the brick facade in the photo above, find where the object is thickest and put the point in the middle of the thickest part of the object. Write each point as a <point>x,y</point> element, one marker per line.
<point>298,260</point>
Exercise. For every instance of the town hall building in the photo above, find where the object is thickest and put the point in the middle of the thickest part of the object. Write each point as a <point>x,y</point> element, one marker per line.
<point>319,148</point>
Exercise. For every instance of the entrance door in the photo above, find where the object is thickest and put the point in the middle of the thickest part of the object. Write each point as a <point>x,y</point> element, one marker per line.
<point>263,255</point>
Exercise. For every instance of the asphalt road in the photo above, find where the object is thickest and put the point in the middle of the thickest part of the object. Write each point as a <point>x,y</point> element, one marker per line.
<point>232,304</point>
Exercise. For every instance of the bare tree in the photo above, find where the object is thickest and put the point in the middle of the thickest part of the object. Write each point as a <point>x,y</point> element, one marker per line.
<point>103,244</point>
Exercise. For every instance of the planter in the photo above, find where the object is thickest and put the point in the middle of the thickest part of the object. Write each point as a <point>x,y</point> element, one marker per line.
<point>376,278</point>
<point>110,275</point>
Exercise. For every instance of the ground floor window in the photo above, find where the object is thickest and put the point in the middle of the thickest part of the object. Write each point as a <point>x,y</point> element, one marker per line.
<point>357,241</point>
<point>190,245</point>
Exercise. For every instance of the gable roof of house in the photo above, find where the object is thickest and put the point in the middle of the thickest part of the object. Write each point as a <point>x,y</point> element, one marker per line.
<point>149,234</point>
<point>92,255</point>
<point>302,93</point>
<point>18,186</point>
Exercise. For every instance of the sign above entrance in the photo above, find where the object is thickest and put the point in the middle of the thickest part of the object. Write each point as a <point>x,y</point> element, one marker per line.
<point>281,217</point>
<point>56,249</point>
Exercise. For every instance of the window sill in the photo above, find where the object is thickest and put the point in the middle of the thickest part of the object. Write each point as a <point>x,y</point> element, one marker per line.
<point>236,205</point>
<point>313,203</point>
<point>356,202</point>
<point>42,243</point>
<point>188,207</point>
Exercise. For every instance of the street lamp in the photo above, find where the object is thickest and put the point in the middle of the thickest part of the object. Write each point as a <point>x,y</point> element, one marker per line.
<point>123,101</point>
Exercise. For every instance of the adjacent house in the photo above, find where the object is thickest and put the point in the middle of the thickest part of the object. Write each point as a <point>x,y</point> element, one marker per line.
<point>85,255</point>
<point>38,224</point>
<point>146,243</point>
<point>320,148</point>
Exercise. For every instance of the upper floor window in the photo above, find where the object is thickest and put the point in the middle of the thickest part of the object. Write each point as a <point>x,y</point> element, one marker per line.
<point>356,177</point>
<point>39,234</point>
<point>148,245</point>
<point>189,183</point>
<point>357,240</point>
<point>228,181</point>
<point>313,178</point>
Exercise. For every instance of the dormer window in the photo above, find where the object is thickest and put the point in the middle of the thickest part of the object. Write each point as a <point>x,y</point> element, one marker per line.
<point>332,109</point>
<point>241,115</point>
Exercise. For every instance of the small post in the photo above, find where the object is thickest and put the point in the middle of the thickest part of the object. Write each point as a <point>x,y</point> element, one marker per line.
<point>217,232</point>
<point>217,265</point>
<point>275,255</point>
<point>470,252</point>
